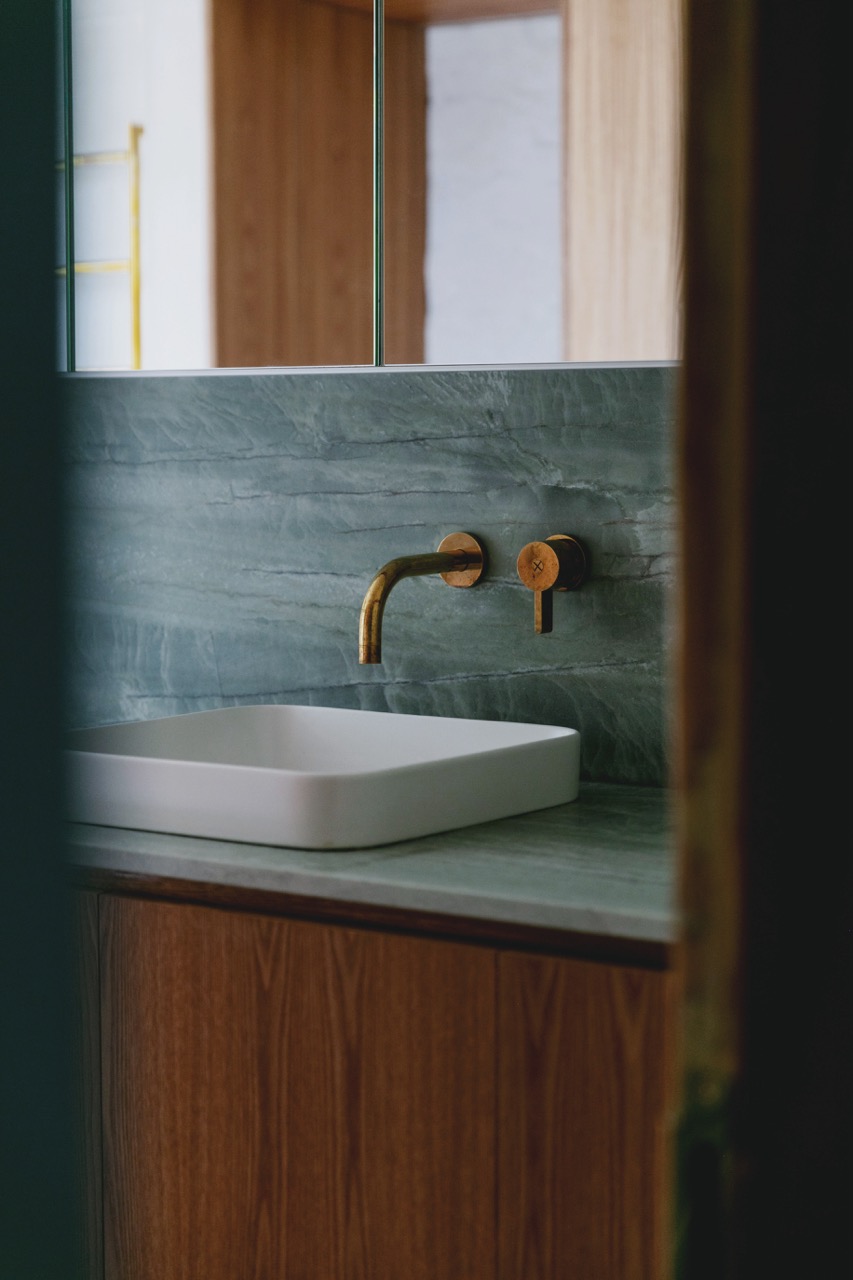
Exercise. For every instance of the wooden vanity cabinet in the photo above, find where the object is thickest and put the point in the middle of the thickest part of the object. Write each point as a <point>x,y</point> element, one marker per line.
<point>286,1098</point>
<point>581,1122</point>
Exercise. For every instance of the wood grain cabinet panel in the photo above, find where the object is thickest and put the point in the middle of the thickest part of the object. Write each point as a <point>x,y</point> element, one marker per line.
<point>86,1031</point>
<point>582,1120</point>
<point>285,1098</point>
<point>288,1099</point>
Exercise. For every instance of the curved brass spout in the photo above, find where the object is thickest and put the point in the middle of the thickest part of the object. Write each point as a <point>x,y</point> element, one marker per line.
<point>460,561</point>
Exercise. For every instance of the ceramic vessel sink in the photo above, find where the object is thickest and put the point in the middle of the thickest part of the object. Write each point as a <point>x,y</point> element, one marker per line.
<point>316,777</point>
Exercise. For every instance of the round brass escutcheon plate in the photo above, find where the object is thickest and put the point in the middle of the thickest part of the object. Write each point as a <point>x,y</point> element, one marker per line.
<point>573,560</point>
<point>473,571</point>
<point>538,566</point>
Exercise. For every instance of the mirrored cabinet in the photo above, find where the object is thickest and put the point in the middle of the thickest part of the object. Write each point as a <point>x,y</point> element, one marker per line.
<point>531,182</point>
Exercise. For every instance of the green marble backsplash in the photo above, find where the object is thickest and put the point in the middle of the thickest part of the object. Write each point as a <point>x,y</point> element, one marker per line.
<point>224,529</point>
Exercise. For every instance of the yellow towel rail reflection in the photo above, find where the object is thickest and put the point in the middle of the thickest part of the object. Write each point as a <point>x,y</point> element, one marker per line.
<point>131,264</point>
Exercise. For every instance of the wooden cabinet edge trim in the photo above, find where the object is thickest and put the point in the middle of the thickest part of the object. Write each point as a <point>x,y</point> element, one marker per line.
<point>643,953</point>
<point>429,11</point>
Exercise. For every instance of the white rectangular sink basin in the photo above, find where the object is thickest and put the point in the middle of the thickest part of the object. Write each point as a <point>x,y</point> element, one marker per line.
<point>316,777</point>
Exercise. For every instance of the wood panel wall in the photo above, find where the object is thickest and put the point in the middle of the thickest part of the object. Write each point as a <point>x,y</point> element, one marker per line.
<point>291,85</point>
<point>450,10</point>
<point>622,70</point>
<point>405,192</point>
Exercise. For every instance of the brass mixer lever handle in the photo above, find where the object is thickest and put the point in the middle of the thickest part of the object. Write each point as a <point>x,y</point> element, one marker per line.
<point>557,564</point>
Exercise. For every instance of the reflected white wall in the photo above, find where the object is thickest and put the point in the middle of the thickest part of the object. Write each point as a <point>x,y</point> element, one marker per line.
<point>144,64</point>
<point>493,259</point>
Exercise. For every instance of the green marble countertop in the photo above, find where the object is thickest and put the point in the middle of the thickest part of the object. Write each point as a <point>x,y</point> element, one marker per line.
<point>602,866</point>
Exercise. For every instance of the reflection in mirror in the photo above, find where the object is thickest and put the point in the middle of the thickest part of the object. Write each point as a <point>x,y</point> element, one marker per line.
<point>532,181</point>
<point>491,266</point>
<point>292,144</point>
<point>255,182</point>
<point>550,222</point>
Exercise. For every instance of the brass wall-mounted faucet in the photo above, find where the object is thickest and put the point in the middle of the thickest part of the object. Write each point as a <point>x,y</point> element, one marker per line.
<point>460,559</point>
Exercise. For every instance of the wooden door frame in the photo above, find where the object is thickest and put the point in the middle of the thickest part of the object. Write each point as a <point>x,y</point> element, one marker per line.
<point>764,643</point>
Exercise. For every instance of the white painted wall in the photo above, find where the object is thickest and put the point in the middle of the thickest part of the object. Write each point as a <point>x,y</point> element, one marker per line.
<point>144,63</point>
<point>493,260</point>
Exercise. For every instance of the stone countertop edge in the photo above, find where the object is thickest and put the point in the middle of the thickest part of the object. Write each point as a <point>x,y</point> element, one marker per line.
<point>603,865</point>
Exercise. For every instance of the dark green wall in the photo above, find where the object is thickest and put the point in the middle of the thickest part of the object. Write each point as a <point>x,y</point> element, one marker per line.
<point>36,1201</point>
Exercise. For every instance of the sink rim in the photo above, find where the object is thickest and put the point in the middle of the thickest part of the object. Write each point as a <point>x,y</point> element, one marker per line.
<point>538,733</point>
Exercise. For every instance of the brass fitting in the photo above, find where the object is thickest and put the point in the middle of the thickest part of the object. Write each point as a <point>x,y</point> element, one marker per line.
<point>557,564</point>
<point>460,559</point>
